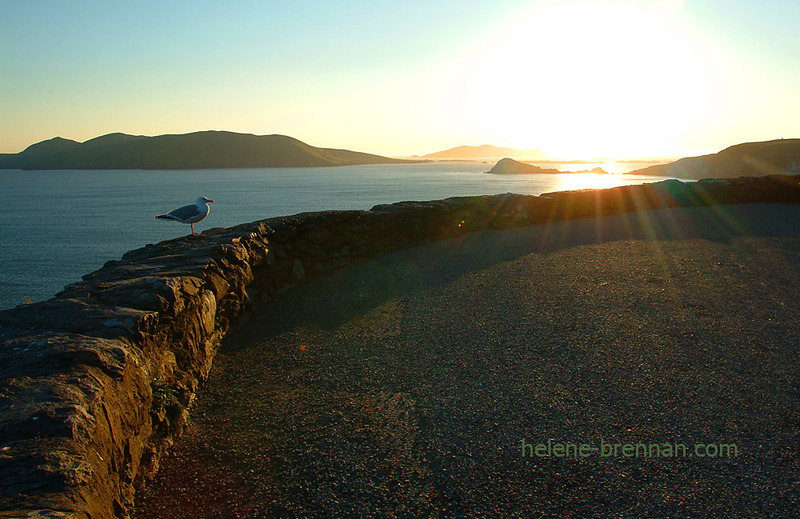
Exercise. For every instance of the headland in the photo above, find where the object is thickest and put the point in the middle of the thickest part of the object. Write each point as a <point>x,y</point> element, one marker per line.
<point>199,150</point>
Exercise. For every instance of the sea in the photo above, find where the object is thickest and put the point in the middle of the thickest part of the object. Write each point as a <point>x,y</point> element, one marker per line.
<point>56,226</point>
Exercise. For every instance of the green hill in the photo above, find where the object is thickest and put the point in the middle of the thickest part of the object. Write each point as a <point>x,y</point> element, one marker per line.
<point>200,150</point>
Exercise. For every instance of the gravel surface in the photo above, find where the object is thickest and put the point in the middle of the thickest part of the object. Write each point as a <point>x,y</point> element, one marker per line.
<point>405,386</point>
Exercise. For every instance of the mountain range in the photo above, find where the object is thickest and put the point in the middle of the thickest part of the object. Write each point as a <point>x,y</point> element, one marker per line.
<point>200,150</point>
<point>485,152</point>
<point>221,149</point>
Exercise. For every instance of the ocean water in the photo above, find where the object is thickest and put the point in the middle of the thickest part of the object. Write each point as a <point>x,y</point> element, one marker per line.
<point>56,226</point>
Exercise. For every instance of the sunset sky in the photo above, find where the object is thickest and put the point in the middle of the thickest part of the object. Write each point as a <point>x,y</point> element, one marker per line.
<point>575,78</point>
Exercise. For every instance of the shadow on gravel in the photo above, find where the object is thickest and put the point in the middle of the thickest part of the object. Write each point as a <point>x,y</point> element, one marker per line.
<point>410,385</point>
<point>357,288</point>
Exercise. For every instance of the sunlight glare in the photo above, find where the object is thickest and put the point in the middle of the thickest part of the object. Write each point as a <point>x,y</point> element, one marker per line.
<point>575,181</point>
<point>586,79</point>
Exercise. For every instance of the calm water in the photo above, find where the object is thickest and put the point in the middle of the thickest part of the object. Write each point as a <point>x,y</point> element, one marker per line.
<point>56,226</point>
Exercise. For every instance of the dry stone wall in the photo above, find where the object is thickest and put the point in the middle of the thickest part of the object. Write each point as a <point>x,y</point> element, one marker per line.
<point>96,382</point>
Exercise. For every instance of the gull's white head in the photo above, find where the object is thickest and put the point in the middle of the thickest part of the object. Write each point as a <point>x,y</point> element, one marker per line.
<point>203,200</point>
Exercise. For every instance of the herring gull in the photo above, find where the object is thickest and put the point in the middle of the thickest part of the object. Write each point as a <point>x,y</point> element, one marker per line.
<point>190,214</point>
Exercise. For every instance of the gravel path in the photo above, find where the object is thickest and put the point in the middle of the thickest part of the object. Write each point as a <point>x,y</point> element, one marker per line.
<point>405,386</point>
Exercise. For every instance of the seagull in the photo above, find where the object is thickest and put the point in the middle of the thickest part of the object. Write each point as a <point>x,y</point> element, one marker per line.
<point>190,214</point>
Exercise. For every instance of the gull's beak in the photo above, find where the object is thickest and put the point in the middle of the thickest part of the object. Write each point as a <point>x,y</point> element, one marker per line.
<point>209,200</point>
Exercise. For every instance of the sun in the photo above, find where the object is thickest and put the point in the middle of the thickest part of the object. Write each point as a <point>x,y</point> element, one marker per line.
<point>584,79</point>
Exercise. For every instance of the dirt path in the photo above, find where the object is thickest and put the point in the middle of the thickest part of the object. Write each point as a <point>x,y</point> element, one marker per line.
<point>409,385</point>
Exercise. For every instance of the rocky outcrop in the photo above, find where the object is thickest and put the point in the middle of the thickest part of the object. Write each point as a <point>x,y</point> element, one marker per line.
<point>96,382</point>
<point>509,166</point>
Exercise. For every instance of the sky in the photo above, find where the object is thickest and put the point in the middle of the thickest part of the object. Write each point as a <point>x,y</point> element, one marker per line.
<point>574,78</point>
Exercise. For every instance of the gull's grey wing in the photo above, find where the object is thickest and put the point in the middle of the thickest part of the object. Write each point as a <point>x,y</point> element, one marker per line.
<point>184,213</point>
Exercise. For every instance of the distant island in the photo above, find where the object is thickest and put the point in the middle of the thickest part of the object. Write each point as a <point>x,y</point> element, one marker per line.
<point>776,157</point>
<point>485,152</point>
<point>200,150</point>
<point>507,166</point>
